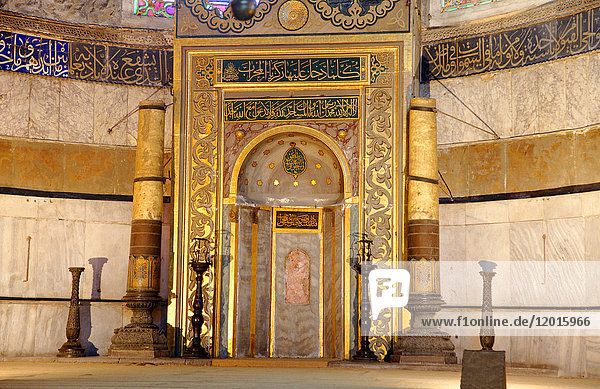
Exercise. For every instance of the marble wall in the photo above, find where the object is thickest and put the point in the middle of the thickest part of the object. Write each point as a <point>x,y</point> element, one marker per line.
<point>105,12</point>
<point>74,111</point>
<point>531,100</point>
<point>557,228</point>
<point>40,238</point>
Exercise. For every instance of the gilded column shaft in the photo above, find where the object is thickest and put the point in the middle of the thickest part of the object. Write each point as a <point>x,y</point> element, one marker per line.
<point>142,338</point>
<point>423,210</point>
<point>423,251</point>
<point>146,226</point>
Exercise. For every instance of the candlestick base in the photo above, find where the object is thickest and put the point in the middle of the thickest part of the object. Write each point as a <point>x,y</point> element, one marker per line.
<point>71,350</point>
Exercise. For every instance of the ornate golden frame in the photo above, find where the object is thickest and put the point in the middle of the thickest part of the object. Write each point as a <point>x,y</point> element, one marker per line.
<point>199,198</point>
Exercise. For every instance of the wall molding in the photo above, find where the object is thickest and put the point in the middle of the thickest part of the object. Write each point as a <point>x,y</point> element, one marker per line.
<point>565,190</point>
<point>70,195</point>
<point>554,10</point>
<point>133,37</point>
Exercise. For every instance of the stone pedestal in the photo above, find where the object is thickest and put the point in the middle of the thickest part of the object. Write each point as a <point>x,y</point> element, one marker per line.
<point>420,346</point>
<point>483,369</point>
<point>142,338</point>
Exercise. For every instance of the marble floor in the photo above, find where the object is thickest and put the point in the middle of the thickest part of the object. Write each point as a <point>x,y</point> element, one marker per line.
<point>105,375</point>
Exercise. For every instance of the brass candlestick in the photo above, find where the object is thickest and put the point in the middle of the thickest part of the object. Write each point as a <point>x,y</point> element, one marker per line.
<point>72,347</point>
<point>364,354</point>
<point>200,263</point>
<point>487,334</point>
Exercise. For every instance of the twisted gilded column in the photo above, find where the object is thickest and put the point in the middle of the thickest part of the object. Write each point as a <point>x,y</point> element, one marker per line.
<point>142,338</point>
<point>423,345</point>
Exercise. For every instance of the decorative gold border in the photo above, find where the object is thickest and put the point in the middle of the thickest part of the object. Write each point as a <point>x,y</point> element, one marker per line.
<point>86,32</point>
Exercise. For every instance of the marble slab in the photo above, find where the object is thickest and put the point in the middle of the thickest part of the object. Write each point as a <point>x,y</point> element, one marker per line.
<point>44,108</point>
<point>76,122</point>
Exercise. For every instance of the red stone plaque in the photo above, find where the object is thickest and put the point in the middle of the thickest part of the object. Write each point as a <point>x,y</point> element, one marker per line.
<point>297,278</point>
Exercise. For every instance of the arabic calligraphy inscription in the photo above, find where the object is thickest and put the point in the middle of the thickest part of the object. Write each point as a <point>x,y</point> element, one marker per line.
<point>298,220</point>
<point>309,108</point>
<point>280,70</point>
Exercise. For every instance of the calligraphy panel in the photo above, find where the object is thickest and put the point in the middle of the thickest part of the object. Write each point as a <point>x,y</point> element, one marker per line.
<point>84,61</point>
<point>41,56</point>
<point>298,108</point>
<point>296,220</point>
<point>292,70</point>
<point>551,40</point>
<point>88,62</point>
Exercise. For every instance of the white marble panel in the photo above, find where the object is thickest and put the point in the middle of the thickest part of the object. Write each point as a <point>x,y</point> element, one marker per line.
<point>466,95</point>
<point>590,203</point>
<point>43,108</point>
<point>525,104</point>
<point>592,356</point>
<point>62,209</point>
<point>594,85</point>
<point>60,246</point>
<point>571,350</point>
<point>565,206</point>
<point>565,240</point>
<point>135,95</point>
<point>168,99</point>
<point>18,206</point>
<point>76,122</point>
<point>526,241</point>
<point>488,242</point>
<point>592,238</point>
<point>527,254</point>
<point>592,260</point>
<point>443,102</point>
<point>98,323</point>
<point>14,103</point>
<point>14,248</point>
<point>15,338</point>
<point>487,212</point>
<point>110,106</point>
<point>577,108</point>
<point>453,287</point>
<point>525,209</point>
<point>108,211</point>
<point>496,103</point>
<point>452,214</point>
<point>452,243</point>
<point>106,258</point>
<point>48,330</point>
<point>551,95</point>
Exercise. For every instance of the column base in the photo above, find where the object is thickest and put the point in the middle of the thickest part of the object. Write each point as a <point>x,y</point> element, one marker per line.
<point>424,349</point>
<point>138,342</point>
<point>71,350</point>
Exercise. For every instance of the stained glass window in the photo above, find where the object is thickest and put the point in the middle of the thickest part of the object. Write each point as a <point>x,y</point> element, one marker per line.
<point>452,5</point>
<point>164,8</point>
